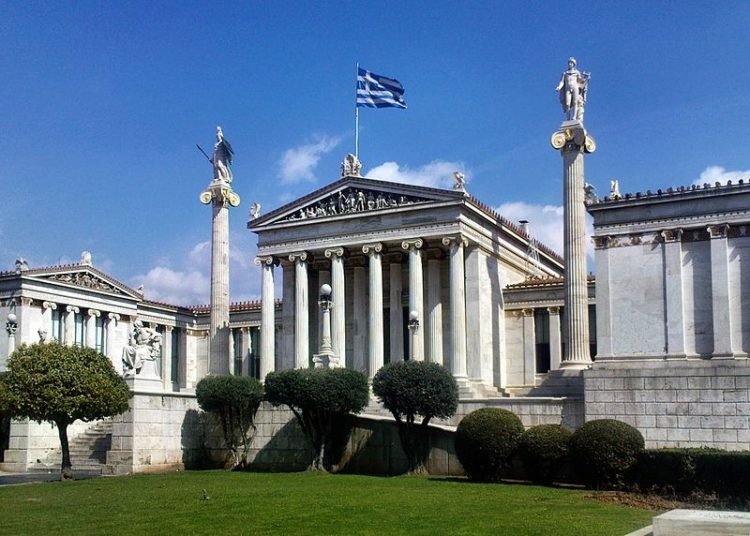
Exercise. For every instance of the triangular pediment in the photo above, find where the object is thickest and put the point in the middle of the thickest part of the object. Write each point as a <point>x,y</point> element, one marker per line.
<point>83,276</point>
<point>354,195</point>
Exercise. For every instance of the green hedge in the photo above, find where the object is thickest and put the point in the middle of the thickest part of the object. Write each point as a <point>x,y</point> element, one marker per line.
<point>697,471</point>
<point>486,441</point>
<point>544,451</point>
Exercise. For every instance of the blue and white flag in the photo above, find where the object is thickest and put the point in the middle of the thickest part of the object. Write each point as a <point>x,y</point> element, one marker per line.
<point>376,91</point>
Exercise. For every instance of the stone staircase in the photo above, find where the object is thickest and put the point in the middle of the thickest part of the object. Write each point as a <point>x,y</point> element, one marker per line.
<point>88,450</point>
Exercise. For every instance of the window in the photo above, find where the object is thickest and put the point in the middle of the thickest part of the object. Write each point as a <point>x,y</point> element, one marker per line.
<point>175,372</point>
<point>237,346</point>
<point>79,332</point>
<point>56,325</point>
<point>541,339</point>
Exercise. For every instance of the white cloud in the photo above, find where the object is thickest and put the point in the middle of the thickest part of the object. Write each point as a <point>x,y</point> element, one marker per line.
<point>436,174</point>
<point>714,174</point>
<point>175,287</point>
<point>545,223</point>
<point>297,164</point>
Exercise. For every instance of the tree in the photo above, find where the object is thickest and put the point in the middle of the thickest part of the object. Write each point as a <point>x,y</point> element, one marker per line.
<point>319,400</point>
<point>411,389</point>
<point>235,399</point>
<point>48,382</point>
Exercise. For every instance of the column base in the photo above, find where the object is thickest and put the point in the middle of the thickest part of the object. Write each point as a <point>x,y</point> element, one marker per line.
<point>325,360</point>
<point>575,365</point>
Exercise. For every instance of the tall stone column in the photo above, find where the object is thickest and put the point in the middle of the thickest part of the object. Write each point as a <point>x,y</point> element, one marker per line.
<point>338,312</point>
<point>93,314</point>
<point>359,316</point>
<point>675,314</point>
<point>396,311</point>
<point>301,311</point>
<point>221,196</point>
<point>166,358</point>
<point>720,291</point>
<point>416,299</point>
<point>267,316</point>
<point>457,305</point>
<point>47,308</point>
<point>555,346</point>
<point>434,312</point>
<point>245,345</point>
<point>529,347</point>
<point>573,141</point>
<point>375,323</point>
<point>70,324</point>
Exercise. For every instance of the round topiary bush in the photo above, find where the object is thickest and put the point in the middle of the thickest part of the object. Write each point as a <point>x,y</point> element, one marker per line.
<point>486,440</point>
<point>605,451</point>
<point>544,450</point>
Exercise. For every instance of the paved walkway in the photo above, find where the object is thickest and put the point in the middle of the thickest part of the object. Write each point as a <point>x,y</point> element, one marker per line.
<point>15,479</point>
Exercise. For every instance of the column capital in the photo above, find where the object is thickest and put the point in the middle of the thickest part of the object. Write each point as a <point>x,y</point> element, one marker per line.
<point>553,310</point>
<point>298,256</point>
<point>414,243</point>
<point>455,241</point>
<point>72,309</point>
<point>114,316</point>
<point>168,329</point>
<point>26,301</point>
<point>330,252</point>
<point>527,312</point>
<point>268,260</point>
<point>49,305</point>
<point>718,231</point>
<point>373,248</point>
<point>604,242</point>
<point>94,312</point>
<point>671,235</point>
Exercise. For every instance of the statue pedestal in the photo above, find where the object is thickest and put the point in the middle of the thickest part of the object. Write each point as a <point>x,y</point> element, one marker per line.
<point>139,384</point>
<point>325,360</point>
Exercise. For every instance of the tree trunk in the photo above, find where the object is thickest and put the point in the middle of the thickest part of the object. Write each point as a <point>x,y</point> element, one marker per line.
<point>66,469</point>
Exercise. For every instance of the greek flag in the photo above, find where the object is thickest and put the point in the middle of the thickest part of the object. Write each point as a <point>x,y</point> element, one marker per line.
<point>376,91</point>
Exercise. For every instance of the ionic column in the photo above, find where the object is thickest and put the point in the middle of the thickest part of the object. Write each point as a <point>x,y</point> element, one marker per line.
<point>375,324</point>
<point>434,312</point>
<point>166,358</point>
<point>301,311</point>
<point>112,320</point>
<point>267,316</point>
<point>555,346</point>
<point>338,295</point>
<point>675,310</point>
<point>416,299</point>
<point>573,141</point>
<point>720,291</point>
<point>24,321</point>
<point>47,308</point>
<point>396,311</point>
<point>70,328</point>
<point>457,305</point>
<point>93,314</point>
<point>529,347</point>
<point>359,317</point>
<point>245,342</point>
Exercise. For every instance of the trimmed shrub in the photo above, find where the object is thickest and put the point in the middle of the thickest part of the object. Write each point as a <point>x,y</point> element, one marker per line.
<point>235,400</point>
<point>411,389</point>
<point>696,471</point>
<point>605,451</point>
<point>486,441</point>
<point>320,399</point>
<point>544,450</point>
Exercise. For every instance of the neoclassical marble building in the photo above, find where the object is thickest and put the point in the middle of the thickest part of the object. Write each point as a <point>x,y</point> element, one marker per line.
<point>416,273</point>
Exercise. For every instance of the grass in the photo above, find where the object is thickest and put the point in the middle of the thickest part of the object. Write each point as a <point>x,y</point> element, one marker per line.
<point>305,503</point>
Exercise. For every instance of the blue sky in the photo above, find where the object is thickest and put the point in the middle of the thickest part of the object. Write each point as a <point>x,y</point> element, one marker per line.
<point>103,103</point>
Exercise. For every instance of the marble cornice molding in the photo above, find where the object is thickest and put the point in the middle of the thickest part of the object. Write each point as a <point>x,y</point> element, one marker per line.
<point>268,260</point>
<point>412,243</point>
<point>298,256</point>
<point>374,248</point>
<point>94,312</point>
<point>330,252</point>
<point>733,218</point>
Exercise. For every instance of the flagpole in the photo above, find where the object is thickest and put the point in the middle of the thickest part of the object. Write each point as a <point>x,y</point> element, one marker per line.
<point>356,115</point>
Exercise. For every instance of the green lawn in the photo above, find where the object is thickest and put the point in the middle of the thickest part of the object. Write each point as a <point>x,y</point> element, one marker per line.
<point>304,503</point>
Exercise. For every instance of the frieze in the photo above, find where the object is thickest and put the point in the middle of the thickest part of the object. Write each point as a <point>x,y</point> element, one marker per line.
<point>350,201</point>
<point>85,279</point>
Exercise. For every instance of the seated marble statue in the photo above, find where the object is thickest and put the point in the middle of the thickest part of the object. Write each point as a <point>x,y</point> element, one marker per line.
<point>144,344</point>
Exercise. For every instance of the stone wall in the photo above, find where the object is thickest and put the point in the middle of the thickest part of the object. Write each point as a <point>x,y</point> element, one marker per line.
<point>681,403</point>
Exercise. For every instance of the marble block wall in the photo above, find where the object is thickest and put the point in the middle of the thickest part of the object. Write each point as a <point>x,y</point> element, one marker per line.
<point>701,403</point>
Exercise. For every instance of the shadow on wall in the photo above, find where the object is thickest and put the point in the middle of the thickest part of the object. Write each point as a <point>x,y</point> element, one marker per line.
<point>202,441</point>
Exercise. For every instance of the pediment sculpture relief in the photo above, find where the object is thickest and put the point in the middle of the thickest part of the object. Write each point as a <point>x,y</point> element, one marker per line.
<point>87,280</point>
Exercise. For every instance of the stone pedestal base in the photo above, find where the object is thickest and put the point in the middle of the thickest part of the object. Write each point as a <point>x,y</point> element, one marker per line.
<point>325,360</point>
<point>142,384</point>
